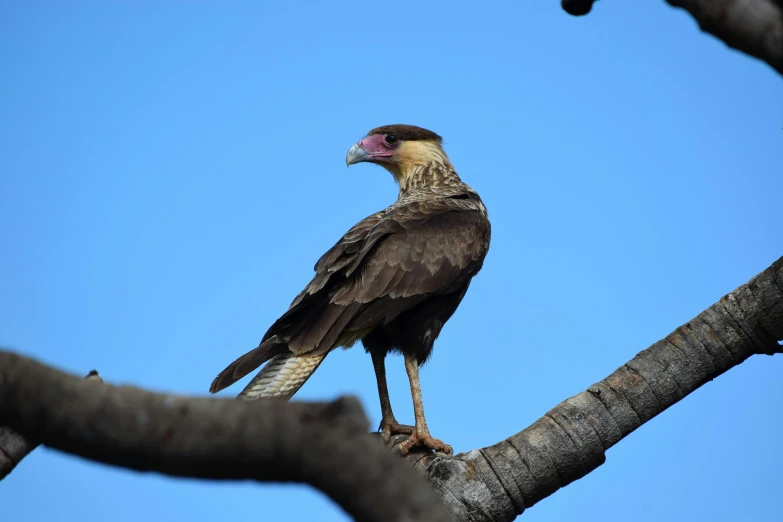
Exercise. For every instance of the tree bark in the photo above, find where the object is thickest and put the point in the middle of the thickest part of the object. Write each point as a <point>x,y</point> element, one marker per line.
<point>318,443</point>
<point>499,482</point>
<point>314,443</point>
<point>14,446</point>
<point>751,26</point>
<point>754,27</point>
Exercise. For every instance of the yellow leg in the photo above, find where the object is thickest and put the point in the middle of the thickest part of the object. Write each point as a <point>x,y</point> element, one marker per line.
<point>389,425</point>
<point>421,434</point>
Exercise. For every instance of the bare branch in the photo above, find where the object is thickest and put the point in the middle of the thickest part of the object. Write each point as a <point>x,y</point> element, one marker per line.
<point>754,27</point>
<point>499,482</point>
<point>14,446</point>
<point>314,443</point>
<point>317,443</point>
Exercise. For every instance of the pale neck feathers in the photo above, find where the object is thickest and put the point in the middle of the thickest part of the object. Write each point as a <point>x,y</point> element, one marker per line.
<point>422,163</point>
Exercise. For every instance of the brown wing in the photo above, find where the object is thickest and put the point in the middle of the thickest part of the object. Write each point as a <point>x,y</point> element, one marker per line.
<point>328,273</point>
<point>385,265</point>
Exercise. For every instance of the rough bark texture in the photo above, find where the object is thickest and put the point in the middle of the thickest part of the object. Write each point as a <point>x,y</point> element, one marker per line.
<point>314,443</point>
<point>499,482</point>
<point>752,26</point>
<point>317,443</point>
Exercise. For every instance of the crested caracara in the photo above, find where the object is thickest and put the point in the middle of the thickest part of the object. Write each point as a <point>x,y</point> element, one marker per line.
<point>392,281</point>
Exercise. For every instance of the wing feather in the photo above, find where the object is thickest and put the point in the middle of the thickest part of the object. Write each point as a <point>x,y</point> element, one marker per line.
<point>384,265</point>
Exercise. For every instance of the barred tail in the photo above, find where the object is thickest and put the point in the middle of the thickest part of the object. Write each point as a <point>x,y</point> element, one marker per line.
<point>282,376</point>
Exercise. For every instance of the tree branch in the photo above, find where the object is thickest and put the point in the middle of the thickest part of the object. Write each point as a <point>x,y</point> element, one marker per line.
<point>499,482</point>
<point>317,443</point>
<point>14,446</point>
<point>314,443</point>
<point>754,27</point>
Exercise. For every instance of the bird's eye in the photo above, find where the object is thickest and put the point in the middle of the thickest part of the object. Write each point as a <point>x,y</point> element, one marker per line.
<point>391,139</point>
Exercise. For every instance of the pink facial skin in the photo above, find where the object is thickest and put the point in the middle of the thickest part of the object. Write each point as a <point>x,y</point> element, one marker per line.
<point>376,147</point>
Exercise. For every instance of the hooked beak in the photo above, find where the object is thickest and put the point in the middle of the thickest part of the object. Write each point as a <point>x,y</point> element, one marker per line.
<point>356,154</point>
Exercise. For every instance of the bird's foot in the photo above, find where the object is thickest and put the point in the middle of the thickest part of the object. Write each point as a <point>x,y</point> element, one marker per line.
<point>423,438</point>
<point>391,427</point>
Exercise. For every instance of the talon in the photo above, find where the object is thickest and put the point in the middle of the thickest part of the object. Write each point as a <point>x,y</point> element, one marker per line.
<point>418,438</point>
<point>389,427</point>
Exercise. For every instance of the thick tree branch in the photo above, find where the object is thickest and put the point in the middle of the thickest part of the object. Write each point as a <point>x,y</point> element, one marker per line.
<point>314,443</point>
<point>754,27</point>
<point>499,482</point>
<point>14,446</point>
<point>317,443</point>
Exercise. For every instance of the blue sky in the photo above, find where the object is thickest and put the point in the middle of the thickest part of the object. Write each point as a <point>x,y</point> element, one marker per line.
<point>171,171</point>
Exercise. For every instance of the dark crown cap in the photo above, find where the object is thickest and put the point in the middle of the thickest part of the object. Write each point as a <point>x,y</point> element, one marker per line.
<point>407,132</point>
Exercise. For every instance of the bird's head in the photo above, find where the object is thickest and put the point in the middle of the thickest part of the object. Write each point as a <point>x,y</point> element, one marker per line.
<point>398,148</point>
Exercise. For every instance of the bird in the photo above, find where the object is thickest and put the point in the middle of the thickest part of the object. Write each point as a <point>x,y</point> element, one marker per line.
<point>392,281</point>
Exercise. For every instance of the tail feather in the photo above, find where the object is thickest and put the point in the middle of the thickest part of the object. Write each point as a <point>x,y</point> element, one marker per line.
<point>283,375</point>
<point>247,363</point>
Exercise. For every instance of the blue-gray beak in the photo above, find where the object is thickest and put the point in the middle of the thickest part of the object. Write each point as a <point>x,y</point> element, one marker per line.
<point>356,154</point>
